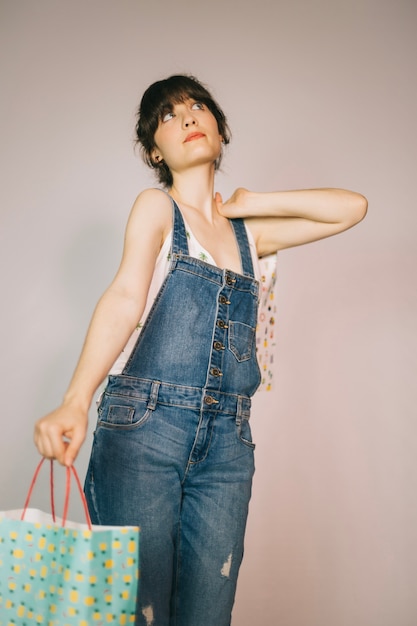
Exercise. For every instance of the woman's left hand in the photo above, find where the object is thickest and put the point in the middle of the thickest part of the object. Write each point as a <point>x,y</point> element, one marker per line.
<point>235,205</point>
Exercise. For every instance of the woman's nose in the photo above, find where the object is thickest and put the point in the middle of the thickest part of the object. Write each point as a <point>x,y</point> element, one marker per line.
<point>189,120</point>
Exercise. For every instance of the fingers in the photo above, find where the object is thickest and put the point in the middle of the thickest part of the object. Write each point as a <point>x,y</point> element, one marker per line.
<point>60,435</point>
<point>219,203</point>
<point>73,447</point>
<point>231,207</point>
<point>49,441</point>
<point>218,199</point>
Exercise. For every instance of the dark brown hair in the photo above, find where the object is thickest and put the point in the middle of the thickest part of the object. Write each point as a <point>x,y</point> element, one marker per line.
<point>160,98</point>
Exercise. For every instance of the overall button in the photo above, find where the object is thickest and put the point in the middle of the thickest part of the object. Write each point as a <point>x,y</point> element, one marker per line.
<point>215,371</point>
<point>217,345</point>
<point>210,400</point>
<point>221,324</point>
<point>223,300</point>
<point>230,280</point>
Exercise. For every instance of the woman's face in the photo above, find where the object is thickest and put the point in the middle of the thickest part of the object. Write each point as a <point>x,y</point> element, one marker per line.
<point>187,135</point>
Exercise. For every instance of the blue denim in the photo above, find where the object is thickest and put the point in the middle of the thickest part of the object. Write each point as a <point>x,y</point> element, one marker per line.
<point>172,450</point>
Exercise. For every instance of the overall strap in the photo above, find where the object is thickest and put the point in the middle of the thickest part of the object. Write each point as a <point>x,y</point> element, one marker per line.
<point>179,243</point>
<point>243,243</point>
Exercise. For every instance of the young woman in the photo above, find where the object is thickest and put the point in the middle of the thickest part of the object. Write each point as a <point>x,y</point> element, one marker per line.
<point>172,451</point>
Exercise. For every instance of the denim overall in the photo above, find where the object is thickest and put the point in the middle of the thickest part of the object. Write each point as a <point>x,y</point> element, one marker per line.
<point>172,451</point>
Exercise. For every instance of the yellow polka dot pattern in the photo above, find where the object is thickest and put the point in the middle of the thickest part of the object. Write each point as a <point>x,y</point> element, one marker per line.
<point>54,576</point>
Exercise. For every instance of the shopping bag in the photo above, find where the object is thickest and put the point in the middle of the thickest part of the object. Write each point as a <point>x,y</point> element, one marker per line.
<point>54,572</point>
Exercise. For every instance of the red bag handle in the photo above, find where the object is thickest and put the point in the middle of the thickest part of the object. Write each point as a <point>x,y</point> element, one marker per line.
<point>69,470</point>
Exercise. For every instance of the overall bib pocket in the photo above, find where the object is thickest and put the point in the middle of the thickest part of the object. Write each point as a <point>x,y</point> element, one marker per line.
<point>241,338</point>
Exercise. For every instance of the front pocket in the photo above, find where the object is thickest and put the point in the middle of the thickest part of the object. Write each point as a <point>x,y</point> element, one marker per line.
<point>120,415</point>
<point>241,338</point>
<point>113,414</point>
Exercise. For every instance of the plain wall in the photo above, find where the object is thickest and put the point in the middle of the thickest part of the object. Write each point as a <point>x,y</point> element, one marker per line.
<point>318,93</point>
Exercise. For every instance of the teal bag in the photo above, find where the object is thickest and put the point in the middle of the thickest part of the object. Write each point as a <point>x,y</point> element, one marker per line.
<point>54,572</point>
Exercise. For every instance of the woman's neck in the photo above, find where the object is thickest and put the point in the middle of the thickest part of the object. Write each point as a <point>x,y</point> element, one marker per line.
<point>195,188</point>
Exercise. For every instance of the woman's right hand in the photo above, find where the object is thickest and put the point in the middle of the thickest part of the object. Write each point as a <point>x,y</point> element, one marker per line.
<point>60,434</point>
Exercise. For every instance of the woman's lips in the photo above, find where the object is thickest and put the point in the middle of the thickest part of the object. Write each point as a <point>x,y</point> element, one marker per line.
<point>193,136</point>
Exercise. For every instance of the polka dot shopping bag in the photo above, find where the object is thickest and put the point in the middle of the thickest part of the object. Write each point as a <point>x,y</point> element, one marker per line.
<point>54,572</point>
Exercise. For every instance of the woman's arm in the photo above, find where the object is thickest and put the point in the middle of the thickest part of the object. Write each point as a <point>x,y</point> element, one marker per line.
<point>283,219</point>
<point>114,319</point>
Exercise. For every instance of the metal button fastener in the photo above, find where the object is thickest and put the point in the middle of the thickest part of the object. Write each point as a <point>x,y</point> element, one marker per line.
<point>210,400</point>
<point>215,371</point>
<point>217,345</point>
<point>230,280</point>
<point>221,324</point>
<point>223,300</point>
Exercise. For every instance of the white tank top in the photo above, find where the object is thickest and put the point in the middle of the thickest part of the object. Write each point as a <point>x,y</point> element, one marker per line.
<point>264,270</point>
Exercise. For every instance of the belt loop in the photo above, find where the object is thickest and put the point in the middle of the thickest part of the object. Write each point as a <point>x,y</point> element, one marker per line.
<point>153,396</point>
<point>239,411</point>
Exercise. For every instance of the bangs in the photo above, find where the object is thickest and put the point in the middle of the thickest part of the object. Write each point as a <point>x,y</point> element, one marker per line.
<point>163,95</point>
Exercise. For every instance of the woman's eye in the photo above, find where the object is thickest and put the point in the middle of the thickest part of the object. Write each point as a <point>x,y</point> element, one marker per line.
<point>198,106</point>
<point>167,116</point>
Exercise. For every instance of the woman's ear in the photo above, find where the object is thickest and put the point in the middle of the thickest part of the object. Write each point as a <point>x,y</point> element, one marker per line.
<point>156,157</point>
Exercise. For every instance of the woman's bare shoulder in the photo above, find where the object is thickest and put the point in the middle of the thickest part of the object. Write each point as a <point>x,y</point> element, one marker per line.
<point>153,209</point>
<point>154,199</point>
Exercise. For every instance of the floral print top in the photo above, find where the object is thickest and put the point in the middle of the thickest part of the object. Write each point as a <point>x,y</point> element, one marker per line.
<point>265,332</point>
